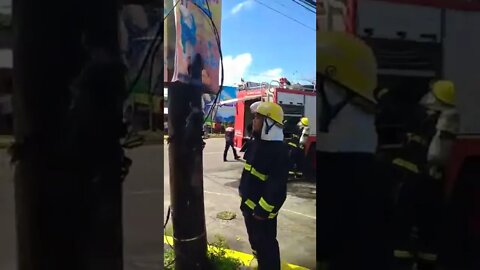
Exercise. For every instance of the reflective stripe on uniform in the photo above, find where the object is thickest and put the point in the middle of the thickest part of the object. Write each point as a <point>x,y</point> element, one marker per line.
<point>402,254</point>
<point>406,164</point>
<point>416,138</point>
<point>266,206</point>
<point>292,144</point>
<point>291,173</point>
<point>272,215</point>
<point>255,173</point>
<point>250,204</point>
<point>427,256</point>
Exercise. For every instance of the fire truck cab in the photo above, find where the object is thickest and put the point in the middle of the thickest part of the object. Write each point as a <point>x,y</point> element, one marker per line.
<point>415,42</point>
<point>297,101</point>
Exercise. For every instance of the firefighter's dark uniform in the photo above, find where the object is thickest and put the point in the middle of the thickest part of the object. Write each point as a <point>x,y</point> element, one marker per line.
<point>263,189</point>
<point>417,209</point>
<point>297,155</point>
<point>352,199</point>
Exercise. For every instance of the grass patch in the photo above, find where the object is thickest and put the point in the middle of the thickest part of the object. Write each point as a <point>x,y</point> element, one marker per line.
<point>168,259</point>
<point>217,256</point>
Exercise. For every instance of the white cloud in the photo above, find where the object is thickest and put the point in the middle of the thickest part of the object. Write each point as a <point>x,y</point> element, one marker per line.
<point>266,76</point>
<point>243,5</point>
<point>236,67</point>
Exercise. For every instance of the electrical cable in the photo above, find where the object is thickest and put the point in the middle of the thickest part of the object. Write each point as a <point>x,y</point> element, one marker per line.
<point>151,53</point>
<point>303,5</point>
<point>150,49</point>
<point>222,76</point>
<point>150,80</point>
<point>285,15</point>
<point>309,3</point>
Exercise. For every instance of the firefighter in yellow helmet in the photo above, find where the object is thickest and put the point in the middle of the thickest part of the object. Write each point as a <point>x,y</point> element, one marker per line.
<point>414,191</point>
<point>297,148</point>
<point>351,199</point>
<point>263,185</point>
<point>447,126</point>
<point>418,206</point>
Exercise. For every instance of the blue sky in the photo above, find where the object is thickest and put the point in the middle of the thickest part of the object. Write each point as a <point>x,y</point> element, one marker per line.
<point>259,44</point>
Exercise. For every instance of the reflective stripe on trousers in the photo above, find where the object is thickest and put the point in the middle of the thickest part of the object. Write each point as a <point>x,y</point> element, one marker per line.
<point>254,172</point>
<point>402,254</point>
<point>252,206</point>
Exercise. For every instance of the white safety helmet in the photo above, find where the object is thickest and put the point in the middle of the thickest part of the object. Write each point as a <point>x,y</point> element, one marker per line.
<point>254,106</point>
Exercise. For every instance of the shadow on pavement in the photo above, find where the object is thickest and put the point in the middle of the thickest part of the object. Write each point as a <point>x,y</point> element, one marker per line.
<point>299,188</point>
<point>233,184</point>
<point>302,188</point>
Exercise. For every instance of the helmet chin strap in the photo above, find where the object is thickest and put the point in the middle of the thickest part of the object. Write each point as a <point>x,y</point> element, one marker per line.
<point>267,126</point>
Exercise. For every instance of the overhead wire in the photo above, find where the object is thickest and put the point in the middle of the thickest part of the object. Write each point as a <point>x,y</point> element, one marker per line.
<point>222,75</point>
<point>150,54</point>
<point>157,36</point>
<point>305,7</point>
<point>285,15</point>
<point>309,3</point>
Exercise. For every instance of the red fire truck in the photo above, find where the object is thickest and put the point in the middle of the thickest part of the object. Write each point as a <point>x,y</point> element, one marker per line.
<point>415,42</point>
<point>297,101</point>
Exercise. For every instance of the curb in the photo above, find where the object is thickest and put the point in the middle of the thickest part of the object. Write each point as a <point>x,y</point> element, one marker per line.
<point>244,258</point>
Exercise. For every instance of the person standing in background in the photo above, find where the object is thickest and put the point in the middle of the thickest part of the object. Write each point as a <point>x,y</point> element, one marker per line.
<point>297,148</point>
<point>229,135</point>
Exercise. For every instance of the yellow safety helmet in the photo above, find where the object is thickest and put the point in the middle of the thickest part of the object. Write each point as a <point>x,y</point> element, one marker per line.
<point>349,61</point>
<point>444,91</point>
<point>304,121</point>
<point>272,111</point>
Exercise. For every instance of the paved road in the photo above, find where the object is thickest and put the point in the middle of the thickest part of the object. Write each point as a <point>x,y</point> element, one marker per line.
<point>144,203</point>
<point>143,217</point>
<point>297,222</point>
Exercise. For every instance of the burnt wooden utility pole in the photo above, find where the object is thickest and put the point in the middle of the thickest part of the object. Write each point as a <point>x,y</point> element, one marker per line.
<point>68,157</point>
<point>185,123</point>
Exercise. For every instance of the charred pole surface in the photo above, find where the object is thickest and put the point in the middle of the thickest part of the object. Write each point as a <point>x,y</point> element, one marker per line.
<point>185,123</point>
